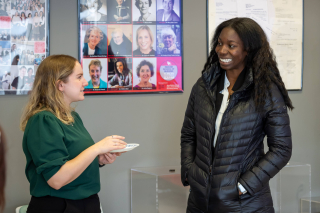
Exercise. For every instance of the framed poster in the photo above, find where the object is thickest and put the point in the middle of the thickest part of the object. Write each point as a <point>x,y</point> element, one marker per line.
<point>24,43</point>
<point>131,46</point>
<point>282,21</point>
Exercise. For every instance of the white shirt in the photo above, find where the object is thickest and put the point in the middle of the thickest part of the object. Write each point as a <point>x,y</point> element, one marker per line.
<point>91,51</point>
<point>223,107</point>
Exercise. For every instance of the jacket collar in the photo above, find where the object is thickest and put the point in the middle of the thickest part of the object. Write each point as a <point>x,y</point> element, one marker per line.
<point>211,78</point>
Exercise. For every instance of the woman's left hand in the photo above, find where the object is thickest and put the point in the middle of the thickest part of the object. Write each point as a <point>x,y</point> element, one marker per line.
<point>108,158</point>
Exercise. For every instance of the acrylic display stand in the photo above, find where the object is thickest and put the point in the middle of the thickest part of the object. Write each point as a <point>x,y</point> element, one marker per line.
<point>289,186</point>
<point>313,201</point>
<point>159,190</point>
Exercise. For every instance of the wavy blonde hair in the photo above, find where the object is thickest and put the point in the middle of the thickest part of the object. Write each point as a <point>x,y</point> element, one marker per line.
<point>45,95</point>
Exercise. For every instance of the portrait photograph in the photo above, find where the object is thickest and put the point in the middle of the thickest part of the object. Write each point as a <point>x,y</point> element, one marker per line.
<point>23,53</point>
<point>94,41</point>
<point>28,22</point>
<point>93,11</point>
<point>5,79</point>
<point>95,71</point>
<point>168,40</point>
<point>119,74</point>
<point>5,35</point>
<point>144,40</point>
<point>168,10</point>
<point>144,73</point>
<point>119,12</point>
<point>144,11</point>
<point>22,79</point>
<point>5,8</point>
<point>5,58</point>
<point>120,40</point>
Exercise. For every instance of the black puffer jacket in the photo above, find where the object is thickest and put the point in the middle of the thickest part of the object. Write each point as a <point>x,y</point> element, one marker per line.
<point>239,152</point>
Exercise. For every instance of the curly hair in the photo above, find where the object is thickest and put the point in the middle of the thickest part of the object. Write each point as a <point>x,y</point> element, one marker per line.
<point>260,58</point>
<point>138,1</point>
<point>99,3</point>
<point>143,63</point>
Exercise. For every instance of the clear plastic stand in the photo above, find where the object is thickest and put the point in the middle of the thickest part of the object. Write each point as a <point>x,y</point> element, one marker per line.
<point>290,186</point>
<point>159,190</point>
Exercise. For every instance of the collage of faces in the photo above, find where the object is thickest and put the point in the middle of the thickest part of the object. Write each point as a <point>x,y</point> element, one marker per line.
<point>131,45</point>
<point>23,35</point>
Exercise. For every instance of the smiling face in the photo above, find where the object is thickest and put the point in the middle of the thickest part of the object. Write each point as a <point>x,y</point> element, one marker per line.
<point>145,73</point>
<point>95,73</point>
<point>92,5</point>
<point>73,88</point>
<point>144,40</point>
<point>167,5</point>
<point>119,66</point>
<point>117,38</point>
<point>168,40</point>
<point>230,50</point>
<point>94,38</point>
<point>144,6</point>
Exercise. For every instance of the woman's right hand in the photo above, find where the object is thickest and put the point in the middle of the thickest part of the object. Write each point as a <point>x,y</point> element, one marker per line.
<point>110,143</point>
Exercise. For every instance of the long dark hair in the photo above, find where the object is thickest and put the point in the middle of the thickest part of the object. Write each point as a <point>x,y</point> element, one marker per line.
<point>125,71</point>
<point>260,58</point>
<point>2,169</point>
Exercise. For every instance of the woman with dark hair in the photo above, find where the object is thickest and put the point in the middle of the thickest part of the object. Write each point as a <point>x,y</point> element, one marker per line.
<point>145,71</point>
<point>23,28</point>
<point>239,99</point>
<point>29,27</point>
<point>2,169</point>
<point>122,77</point>
<point>143,6</point>
<point>62,158</point>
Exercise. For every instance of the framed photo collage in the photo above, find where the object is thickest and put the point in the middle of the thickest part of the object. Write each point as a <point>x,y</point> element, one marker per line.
<point>24,43</point>
<point>131,46</point>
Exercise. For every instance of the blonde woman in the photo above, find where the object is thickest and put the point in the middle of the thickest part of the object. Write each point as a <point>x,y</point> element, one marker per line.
<point>62,158</point>
<point>144,39</point>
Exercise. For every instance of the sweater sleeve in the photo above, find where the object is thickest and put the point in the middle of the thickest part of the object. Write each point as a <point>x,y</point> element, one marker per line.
<point>45,142</point>
<point>277,129</point>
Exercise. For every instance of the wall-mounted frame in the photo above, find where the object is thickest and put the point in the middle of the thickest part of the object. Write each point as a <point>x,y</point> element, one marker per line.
<point>131,46</point>
<point>24,43</point>
<point>282,22</point>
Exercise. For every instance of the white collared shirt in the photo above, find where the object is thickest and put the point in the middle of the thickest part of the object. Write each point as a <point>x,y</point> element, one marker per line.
<point>223,107</point>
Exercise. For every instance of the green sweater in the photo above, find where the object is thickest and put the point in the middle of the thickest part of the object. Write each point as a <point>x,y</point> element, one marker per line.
<point>48,144</point>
